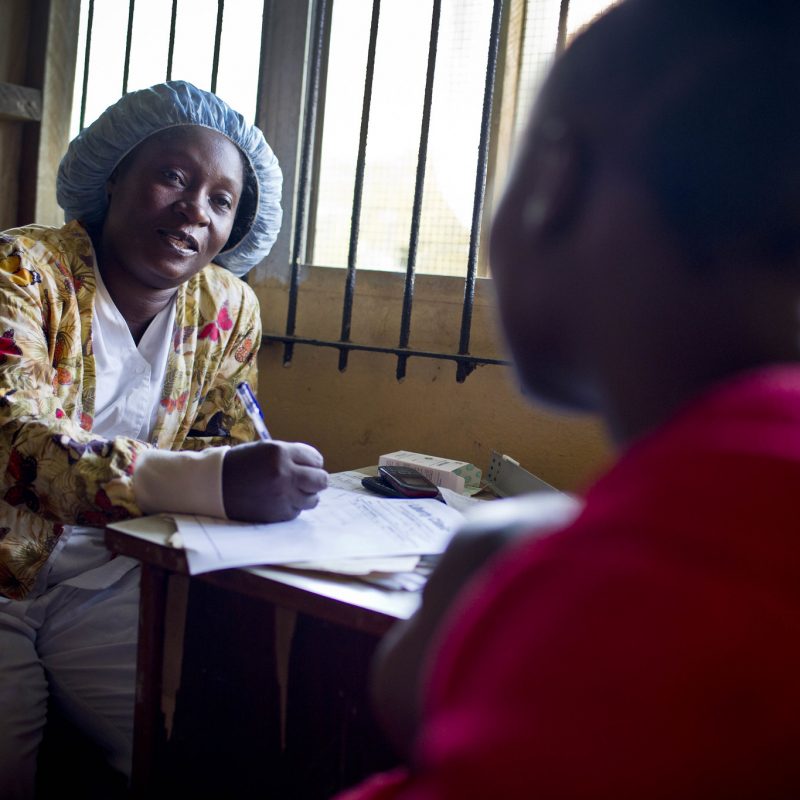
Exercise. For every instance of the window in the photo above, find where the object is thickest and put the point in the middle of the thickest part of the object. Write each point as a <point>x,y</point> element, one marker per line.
<point>404,112</point>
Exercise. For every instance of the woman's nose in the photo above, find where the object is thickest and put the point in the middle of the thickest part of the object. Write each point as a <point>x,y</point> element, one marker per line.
<point>193,210</point>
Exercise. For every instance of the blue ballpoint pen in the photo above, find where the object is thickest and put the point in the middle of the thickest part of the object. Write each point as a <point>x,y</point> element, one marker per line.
<point>253,409</point>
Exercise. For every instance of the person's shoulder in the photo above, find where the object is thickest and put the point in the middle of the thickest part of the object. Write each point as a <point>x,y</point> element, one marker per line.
<point>44,242</point>
<point>31,253</point>
<point>25,238</point>
<point>71,235</point>
<point>223,287</point>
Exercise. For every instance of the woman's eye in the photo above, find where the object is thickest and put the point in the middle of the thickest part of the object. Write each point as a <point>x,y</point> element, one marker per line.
<point>224,202</point>
<point>173,176</point>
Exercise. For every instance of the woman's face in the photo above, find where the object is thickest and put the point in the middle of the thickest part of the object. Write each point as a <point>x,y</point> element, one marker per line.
<point>172,204</point>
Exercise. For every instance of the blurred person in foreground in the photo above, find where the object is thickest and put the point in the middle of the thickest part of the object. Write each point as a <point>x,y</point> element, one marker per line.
<point>125,333</point>
<point>647,263</point>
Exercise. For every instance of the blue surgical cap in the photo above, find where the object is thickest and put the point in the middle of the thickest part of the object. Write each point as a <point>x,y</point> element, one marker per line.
<point>97,150</point>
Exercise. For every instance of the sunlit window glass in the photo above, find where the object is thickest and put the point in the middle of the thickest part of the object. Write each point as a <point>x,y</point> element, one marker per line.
<point>394,125</point>
<point>192,57</point>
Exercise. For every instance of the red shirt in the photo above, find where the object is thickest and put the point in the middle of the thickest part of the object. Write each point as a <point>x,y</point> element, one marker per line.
<point>651,649</point>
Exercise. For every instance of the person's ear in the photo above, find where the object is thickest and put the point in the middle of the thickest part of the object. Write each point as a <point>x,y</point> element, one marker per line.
<point>556,176</point>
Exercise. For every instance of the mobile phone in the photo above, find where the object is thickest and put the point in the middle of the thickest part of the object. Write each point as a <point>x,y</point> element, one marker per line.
<point>408,481</point>
<point>380,487</point>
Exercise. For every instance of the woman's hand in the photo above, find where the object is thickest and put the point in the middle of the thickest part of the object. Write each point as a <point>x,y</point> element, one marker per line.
<point>271,481</point>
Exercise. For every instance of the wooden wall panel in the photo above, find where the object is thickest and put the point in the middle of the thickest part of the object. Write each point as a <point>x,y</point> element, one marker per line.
<point>14,16</point>
<point>38,41</point>
<point>58,80</point>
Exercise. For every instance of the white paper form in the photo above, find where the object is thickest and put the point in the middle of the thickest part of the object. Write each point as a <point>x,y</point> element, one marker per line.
<point>373,565</point>
<point>344,525</point>
<point>350,480</point>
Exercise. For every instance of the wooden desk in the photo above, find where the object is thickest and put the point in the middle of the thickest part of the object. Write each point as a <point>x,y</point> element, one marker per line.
<point>241,652</point>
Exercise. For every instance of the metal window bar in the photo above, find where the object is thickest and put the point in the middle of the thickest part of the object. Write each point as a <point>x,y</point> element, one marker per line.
<point>87,53</point>
<point>355,220</point>
<point>465,367</point>
<point>306,156</point>
<point>171,47</point>
<point>217,43</point>
<point>128,39</point>
<point>416,213</point>
<point>563,15</point>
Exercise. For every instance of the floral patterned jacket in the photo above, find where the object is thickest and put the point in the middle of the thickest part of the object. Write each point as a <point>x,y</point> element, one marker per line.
<point>53,472</point>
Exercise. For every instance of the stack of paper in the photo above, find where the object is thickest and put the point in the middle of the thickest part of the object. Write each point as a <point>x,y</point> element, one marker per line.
<point>345,525</point>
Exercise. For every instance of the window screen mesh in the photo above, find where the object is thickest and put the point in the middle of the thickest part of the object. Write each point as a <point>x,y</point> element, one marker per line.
<point>192,58</point>
<point>394,125</point>
<point>394,133</point>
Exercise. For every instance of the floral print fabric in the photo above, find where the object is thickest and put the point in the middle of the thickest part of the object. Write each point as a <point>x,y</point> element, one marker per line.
<point>53,471</point>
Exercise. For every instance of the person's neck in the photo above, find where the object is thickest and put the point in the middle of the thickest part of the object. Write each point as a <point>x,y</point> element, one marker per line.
<point>655,383</point>
<point>687,329</point>
<point>138,307</point>
<point>137,304</point>
<point>635,409</point>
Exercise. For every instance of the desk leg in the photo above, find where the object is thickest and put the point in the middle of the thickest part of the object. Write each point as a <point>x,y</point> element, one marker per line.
<point>219,684</point>
<point>332,740</point>
<point>225,739</point>
<point>149,736</point>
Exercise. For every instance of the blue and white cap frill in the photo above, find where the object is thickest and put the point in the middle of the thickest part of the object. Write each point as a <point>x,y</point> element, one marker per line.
<point>97,150</point>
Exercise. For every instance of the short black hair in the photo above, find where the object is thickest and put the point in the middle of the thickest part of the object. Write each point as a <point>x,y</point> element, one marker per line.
<point>702,99</point>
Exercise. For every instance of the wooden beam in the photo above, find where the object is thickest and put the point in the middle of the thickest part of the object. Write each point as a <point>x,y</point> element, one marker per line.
<point>14,19</point>
<point>59,79</point>
<point>281,95</point>
<point>20,103</point>
<point>52,49</point>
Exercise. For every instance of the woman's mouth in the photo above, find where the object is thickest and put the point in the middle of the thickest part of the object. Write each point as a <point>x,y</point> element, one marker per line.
<point>179,240</point>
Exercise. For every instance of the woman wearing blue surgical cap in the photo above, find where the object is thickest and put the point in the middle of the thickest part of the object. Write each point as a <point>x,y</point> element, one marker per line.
<point>125,334</point>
